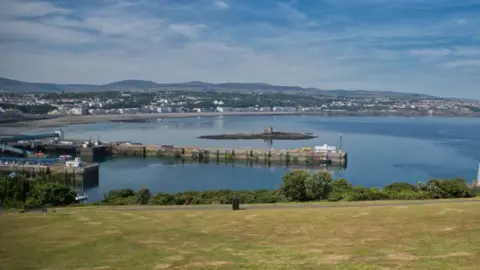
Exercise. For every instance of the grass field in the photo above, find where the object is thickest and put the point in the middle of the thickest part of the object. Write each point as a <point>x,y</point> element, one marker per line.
<point>435,236</point>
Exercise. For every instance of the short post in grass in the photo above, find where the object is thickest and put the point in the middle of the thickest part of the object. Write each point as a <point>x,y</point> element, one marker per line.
<point>235,203</point>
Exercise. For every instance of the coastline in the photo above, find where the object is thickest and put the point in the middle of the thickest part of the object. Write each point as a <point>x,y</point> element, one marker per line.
<point>25,125</point>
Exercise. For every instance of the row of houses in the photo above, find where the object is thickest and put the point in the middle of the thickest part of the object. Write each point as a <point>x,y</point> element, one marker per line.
<point>257,109</point>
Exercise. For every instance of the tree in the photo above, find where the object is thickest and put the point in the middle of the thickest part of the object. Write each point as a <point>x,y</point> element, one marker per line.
<point>318,185</point>
<point>50,194</point>
<point>12,191</point>
<point>293,186</point>
<point>143,196</point>
<point>443,189</point>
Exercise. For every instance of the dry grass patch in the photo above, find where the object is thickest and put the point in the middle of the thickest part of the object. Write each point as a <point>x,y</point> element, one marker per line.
<point>383,237</point>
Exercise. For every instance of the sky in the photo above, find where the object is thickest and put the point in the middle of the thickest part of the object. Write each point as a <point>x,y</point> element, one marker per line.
<point>422,46</point>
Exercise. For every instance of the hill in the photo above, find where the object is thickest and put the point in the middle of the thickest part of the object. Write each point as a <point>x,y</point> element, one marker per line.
<point>15,86</point>
<point>296,236</point>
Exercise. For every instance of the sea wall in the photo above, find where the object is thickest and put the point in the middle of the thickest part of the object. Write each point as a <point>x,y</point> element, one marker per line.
<point>233,154</point>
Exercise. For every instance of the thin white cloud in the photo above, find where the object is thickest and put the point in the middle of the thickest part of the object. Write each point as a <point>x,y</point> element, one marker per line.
<point>173,42</point>
<point>431,52</point>
<point>32,31</point>
<point>221,4</point>
<point>294,15</point>
<point>17,8</point>
<point>462,63</point>
<point>190,31</point>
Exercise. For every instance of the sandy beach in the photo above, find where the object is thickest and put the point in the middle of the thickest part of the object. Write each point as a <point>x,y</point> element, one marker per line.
<point>22,126</point>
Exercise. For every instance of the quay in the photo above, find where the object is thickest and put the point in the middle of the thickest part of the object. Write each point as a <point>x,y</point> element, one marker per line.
<point>304,156</point>
<point>50,168</point>
<point>29,150</point>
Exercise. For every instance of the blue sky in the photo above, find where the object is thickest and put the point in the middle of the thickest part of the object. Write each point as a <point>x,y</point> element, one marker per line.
<point>425,46</point>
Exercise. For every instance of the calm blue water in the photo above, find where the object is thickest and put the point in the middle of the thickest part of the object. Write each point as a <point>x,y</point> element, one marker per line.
<point>381,150</point>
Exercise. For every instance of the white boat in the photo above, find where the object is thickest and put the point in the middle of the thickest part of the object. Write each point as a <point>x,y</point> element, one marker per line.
<point>80,197</point>
<point>65,157</point>
<point>77,162</point>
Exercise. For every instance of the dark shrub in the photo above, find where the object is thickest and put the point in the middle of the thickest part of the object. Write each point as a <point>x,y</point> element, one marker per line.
<point>143,196</point>
<point>121,193</point>
<point>50,194</point>
<point>366,194</point>
<point>400,186</point>
<point>163,199</point>
<point>340,189</point>
<point>318,186</point>
<point>409,195</point>
<point>293,186</point>
<point>444,189</point>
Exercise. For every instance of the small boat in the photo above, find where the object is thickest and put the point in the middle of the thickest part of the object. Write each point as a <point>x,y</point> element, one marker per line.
<point>77,162</point>
<point>80,197</point>
<point>65,157</point>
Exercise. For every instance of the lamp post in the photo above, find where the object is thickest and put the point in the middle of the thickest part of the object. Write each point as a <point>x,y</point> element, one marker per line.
<point>341,142</point>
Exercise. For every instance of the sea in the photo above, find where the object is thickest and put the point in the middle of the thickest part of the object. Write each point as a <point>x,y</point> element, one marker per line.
<point>381,150</point>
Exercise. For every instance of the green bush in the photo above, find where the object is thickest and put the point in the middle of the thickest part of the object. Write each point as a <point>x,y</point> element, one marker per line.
<point>476,191</point>
<point>445,189</point>
<point>400,186</point>
<point>120,201</point>
<point>340,189</point>
<point>121,193</point>
<point>162,199</point>
<point>143,196</point>
<point>409,195</point>
<point>366,194</point>
<point>293,185</point>
<point>318,185</point>
<point>50,194</point>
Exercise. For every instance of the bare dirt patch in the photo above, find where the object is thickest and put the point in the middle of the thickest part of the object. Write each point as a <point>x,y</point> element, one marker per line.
<point>162,266</point>
<point>452,254</point>
<point>174,258</point>
<point>402,257</point>
<point>206,263</point>
<point>362,214</point>
<point>334,259</point>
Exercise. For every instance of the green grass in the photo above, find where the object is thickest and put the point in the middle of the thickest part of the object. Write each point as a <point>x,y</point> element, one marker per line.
<point>437,236</point>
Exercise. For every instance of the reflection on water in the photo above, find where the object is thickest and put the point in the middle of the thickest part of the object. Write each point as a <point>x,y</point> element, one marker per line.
<point>174,175</point>
<point>380,150</point>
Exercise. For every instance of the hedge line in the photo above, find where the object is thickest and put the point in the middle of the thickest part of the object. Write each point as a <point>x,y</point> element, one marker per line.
<point>15,192</point>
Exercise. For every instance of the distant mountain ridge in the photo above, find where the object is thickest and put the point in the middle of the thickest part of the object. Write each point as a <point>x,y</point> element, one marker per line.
<point>15,86</point>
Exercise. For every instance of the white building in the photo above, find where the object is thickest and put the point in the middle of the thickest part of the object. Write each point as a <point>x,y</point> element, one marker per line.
<point>224,109</point>
<point>284,109</point>
<point>128,110</point>
<point>164,110</point>
<point>97,111</point>
<point>265,109</point>
<point>77,111</point>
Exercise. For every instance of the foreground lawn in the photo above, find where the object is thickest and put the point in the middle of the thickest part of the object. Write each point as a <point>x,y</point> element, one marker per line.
<point>436,236</point>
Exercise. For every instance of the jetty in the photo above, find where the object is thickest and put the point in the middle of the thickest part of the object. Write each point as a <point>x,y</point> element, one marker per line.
<point>299,156</point>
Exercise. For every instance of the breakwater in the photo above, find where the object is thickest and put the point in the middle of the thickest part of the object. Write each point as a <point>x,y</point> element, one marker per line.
<point>277,156</point>
<point>263,136</point>
<point>88,172</point>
